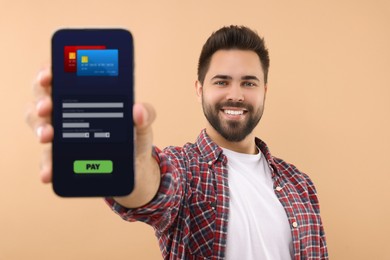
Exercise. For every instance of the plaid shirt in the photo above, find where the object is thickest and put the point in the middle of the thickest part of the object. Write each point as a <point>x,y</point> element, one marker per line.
<point>190,211</point>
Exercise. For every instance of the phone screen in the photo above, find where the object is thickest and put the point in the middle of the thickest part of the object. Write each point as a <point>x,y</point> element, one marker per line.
<point>92,112</point>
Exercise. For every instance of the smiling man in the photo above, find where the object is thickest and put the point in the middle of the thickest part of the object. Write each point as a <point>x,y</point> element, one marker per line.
<point>224,196</point>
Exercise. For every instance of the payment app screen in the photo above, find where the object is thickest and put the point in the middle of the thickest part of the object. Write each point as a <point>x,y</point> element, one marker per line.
<point>92,112</point>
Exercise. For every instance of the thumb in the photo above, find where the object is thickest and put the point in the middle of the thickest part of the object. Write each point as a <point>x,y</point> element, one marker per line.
<point>143,115</point>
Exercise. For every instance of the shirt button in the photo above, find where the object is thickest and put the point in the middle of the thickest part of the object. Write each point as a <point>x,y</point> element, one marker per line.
<point>210,163</point>
<point>278,188</point>
<point>295,224</point>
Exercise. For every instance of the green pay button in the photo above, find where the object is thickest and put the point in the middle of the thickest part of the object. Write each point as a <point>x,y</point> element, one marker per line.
<point>92,167</point>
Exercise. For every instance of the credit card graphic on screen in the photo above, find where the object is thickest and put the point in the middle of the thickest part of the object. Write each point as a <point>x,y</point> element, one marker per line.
<point>70,56</point>
<point>97,62</point>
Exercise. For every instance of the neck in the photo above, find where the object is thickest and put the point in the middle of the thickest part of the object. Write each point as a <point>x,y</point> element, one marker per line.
<point>247,145</point>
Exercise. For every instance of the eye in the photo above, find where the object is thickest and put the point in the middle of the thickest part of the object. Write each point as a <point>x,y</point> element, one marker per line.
<point>249,84</point>
<point>220,83</point>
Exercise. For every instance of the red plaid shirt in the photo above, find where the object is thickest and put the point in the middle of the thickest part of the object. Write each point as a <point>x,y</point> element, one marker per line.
<point>190,211</point>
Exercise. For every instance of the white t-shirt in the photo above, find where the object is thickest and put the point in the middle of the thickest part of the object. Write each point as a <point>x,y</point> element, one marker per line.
<point>258,227</point>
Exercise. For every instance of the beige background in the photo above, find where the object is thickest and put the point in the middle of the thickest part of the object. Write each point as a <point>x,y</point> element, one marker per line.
<point>327,111</point>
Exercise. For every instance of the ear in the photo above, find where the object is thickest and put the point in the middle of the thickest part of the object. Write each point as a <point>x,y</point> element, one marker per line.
<point>199,90</point>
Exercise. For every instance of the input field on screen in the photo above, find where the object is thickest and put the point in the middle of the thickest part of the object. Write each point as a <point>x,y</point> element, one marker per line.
<point>93,105</point>
<point>102,135</point>
<point>92,115</point>
<point>75,135</point>
<point>75,125</point>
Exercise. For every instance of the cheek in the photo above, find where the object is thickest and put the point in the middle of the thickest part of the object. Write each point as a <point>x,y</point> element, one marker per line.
<point>256,98</point>
<point>212,97</point>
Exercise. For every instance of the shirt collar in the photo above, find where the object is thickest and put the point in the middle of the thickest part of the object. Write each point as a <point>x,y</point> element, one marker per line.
<point>209,149</point>
<point>267,154</point>
<point>212,152</point>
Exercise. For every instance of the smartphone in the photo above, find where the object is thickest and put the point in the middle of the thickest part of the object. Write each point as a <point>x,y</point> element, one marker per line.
<point>92,93</point>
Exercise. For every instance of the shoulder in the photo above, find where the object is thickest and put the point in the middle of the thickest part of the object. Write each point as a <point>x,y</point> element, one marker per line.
<point>287,168</point>
<point>177,155</point>
<point>186,150</point>
<point>283,168</point>
<point>290,173</point>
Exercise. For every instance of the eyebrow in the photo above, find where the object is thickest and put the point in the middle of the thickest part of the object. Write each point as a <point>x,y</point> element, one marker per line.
<point>250,77</point>
<point>226,77</point>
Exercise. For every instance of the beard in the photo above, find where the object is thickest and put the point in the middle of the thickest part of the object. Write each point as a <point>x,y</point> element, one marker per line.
<point>232,130</point>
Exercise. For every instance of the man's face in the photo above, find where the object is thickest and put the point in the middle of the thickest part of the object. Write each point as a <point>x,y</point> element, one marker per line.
<point>233,93</point>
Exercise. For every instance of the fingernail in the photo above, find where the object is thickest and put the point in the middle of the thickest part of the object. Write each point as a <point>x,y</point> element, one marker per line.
<point>39,131</point>
<point>40,76</point>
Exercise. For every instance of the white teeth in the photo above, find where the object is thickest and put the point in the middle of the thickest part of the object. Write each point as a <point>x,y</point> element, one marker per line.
<point>234,112</point>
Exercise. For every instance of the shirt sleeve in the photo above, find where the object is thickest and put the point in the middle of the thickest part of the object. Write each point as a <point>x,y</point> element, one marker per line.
<point>162,210</point>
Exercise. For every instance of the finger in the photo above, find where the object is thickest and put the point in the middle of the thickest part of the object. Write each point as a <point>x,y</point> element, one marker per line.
<point>31,115</point>
<point>39,113</point>
<point>45,133</point>
<point>44,108</point>
<point>42,84</point>
<point>45,77</point>
<point>46,165</point>
<point>40,125</point>
<point>144,115</point>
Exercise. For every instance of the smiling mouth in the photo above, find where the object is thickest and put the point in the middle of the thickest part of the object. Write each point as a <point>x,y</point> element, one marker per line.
<point>233,112</point>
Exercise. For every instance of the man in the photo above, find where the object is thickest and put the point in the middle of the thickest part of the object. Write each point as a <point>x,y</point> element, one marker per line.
<point>224,196</point>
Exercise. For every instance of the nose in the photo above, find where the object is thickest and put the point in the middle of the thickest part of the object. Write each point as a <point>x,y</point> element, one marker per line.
<point>235,93</point>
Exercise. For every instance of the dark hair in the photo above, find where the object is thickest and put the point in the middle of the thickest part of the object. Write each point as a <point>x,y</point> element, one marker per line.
<point>232,37</point>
